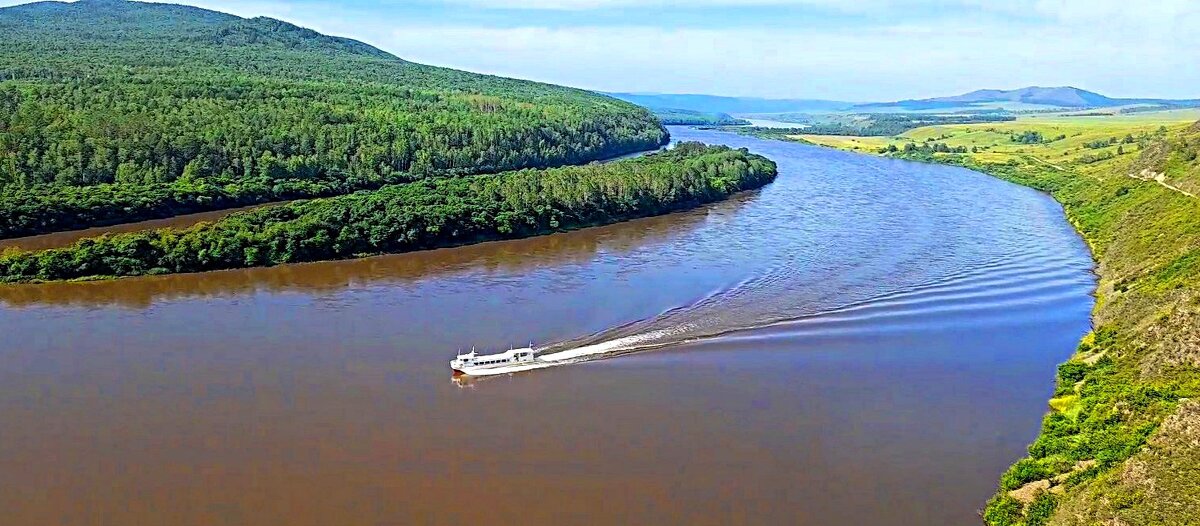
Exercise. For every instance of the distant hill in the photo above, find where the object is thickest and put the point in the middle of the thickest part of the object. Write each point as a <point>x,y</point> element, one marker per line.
<point>1029,98</point>
<point>113,111</point>
<point>1055,97</point>
<point>722,104</point>
<point>1060,96</point>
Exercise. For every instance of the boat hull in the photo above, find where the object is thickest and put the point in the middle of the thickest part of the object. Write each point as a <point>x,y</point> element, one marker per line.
<point>502,369</point>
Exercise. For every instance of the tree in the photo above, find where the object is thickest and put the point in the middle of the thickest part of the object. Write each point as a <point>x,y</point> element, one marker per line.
<point>416,215</point>
<point>139,95</point>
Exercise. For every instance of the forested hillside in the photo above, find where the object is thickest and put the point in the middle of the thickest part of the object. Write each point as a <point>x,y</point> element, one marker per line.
<point>671,116</point>
<point>113,111</point>
<point>423,214</point>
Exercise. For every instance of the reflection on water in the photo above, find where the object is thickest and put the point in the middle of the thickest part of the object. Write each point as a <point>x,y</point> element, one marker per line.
<point>507,257</point>
<point>63,239</point>
<point>864,341</point>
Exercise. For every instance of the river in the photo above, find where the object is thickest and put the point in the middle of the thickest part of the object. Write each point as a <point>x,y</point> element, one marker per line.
<point>864,341</point>
<point>767,123</point>
<point>62,239</point>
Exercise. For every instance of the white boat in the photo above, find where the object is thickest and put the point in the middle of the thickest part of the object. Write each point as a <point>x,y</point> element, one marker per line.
<point>510,361</point>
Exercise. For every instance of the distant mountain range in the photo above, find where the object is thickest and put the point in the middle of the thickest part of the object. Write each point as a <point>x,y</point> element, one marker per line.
<point>1031,97</point>
<point>1059,97</point>
<point>721,104</point>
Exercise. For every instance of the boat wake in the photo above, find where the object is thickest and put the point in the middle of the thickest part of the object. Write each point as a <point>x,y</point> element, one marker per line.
<point>622,345</point>
<point>833,250</point>
<point>778,303</point>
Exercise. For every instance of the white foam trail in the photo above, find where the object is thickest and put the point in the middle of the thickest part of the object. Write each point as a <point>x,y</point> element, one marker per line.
<point>586,352</point>
<point>627,343</point>
<point>1006,281</point>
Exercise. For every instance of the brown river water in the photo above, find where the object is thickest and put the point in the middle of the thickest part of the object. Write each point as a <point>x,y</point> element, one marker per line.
<point>864,341</point>
<point>62,239</point>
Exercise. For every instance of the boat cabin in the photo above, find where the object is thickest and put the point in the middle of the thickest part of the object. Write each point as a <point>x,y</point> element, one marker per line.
<point>511,356</point>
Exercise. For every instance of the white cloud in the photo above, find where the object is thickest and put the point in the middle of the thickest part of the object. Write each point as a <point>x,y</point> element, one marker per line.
<point>910,60</point>
<point>958,45</point>
<point>574,5</point>
<point>1056,9</point>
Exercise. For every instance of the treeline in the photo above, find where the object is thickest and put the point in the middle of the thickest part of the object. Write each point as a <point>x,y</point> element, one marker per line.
<point>131,103</point>
<point>670,117</point>
<point>888,124</point>
<point>418,215</point>
<point>925,147</point>
<point>106,130</point>
<point>38,210</point>
<point>1105,143</point>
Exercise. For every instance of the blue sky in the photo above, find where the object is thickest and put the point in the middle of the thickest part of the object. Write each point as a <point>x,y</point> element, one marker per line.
<point>848,50</point>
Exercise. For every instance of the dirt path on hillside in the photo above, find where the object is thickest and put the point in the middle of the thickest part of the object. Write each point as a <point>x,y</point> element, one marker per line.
<point>1047,163</point>
<point>1161,179</point>
<point>1059,167</point>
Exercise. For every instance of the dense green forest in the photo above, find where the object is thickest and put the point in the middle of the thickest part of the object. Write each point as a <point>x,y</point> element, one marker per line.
<point>423,214</point>
<point>670,116</point>
<point>114,111</point>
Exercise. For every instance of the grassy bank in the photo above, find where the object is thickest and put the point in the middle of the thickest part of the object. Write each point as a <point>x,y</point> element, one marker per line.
<point>1121,441</point>
<point>420,215</point>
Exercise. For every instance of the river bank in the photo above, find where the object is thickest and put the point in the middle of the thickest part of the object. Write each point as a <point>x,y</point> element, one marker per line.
<point>890,328</point>
<point>415,216</point>
<point>1119,444</point>
<point>66,238</point>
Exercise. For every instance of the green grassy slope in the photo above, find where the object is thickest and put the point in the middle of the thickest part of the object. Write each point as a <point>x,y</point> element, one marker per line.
<point>1174,161</point>
<point>165,109</point>
<point>1121,442</point>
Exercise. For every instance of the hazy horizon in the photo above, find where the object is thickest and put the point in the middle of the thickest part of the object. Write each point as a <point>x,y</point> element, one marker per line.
<point>878,50</point>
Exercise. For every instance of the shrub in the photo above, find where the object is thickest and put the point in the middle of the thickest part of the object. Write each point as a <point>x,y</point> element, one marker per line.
<point>1023,472</point>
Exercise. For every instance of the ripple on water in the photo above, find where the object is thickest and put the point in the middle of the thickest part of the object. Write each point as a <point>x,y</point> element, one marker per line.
<point>887,255</point>
<point>879,338</point>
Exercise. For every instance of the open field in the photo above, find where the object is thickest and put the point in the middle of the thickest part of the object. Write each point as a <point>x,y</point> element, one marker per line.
<point>993,142</point>
<point>1121,441</point>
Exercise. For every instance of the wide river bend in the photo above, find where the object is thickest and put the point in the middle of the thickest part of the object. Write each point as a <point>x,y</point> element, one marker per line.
<point>864,341</point>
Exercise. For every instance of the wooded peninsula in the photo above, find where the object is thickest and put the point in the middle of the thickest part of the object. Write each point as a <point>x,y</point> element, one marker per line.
<point>114,112</point>
<point>419,215</point>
